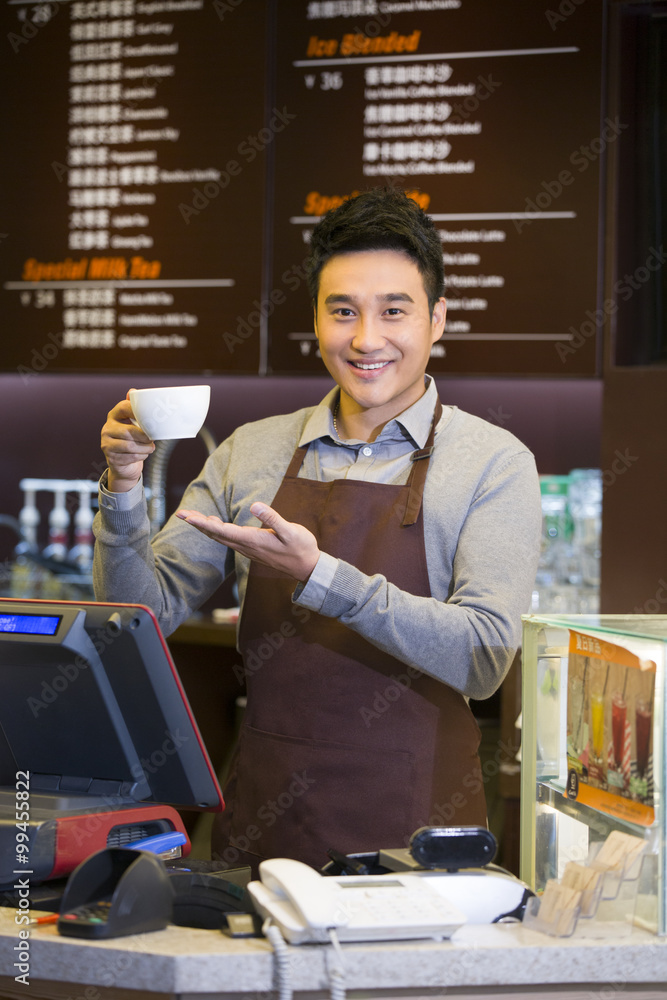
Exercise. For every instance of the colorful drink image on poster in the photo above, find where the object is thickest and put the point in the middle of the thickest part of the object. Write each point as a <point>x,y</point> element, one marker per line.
<point>610,694</point>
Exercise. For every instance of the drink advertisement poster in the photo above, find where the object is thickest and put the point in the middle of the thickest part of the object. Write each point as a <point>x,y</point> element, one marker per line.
<point>610,695</point>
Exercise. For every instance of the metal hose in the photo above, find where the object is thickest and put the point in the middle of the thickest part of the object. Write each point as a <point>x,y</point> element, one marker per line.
<point>7,521</point>
<point>156,477</point>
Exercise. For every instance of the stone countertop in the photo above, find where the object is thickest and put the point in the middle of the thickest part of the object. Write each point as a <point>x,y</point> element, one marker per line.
<point>185,960</point>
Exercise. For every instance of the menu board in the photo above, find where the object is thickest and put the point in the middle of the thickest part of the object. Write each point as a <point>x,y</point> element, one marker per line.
<point>168,159</point>
<point>488,114</point>
<point>135,161</point>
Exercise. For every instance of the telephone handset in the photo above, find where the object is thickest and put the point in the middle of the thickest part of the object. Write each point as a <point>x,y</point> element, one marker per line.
<point>306,906</point>
<point>298,898</point>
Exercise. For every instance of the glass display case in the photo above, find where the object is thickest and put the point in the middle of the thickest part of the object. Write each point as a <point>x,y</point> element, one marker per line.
<point>594,733</point>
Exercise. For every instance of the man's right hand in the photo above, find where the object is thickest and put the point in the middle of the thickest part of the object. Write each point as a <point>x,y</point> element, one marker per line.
<point>125,447</point>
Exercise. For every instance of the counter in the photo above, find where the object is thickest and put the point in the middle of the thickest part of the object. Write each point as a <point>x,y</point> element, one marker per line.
<point>479,961</point>
<point>202,630</point>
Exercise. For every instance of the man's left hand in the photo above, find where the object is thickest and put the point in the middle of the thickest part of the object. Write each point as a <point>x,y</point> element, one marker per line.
<point>281,544</point>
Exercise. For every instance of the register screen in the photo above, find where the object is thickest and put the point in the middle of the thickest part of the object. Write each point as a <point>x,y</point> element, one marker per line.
<point>30,624</point>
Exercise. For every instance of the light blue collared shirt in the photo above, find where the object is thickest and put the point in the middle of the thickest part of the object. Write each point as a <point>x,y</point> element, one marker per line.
<point>385,460</point>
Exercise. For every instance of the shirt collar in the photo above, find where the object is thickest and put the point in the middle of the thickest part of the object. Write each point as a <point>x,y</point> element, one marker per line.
<point>415,421</point>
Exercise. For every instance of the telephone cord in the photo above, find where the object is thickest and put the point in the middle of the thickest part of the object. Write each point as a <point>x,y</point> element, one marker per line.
<point>281,952</point>
<point>337,988</point>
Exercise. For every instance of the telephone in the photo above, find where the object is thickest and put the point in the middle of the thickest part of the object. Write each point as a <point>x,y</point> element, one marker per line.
<point>307,906</point>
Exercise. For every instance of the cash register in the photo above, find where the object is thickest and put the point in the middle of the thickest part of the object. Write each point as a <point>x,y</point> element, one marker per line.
<point>98,744</point>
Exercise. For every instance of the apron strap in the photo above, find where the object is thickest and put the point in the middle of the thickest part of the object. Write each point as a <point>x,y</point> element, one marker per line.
<point>420,460</point>
<point>296,461</point>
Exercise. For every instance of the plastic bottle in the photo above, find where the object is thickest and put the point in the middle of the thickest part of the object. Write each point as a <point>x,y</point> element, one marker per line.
<point>82,552</point>
<point>59,519</point>
<point>553,593</point>
<point>29,517</point>
<point>585,503</point>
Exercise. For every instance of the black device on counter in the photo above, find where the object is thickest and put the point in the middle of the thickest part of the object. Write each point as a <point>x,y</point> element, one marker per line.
<point>116,892</point>
<point>204,894</point>
<point>453,847</point>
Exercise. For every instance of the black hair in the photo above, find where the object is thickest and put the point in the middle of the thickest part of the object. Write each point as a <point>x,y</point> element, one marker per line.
<point>379,219</point>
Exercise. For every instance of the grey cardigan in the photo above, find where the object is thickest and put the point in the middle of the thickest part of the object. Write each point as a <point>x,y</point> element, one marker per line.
<point>482,526</point>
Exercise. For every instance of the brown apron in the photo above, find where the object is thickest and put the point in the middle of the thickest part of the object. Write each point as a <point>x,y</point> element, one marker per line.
<point>342,745</point>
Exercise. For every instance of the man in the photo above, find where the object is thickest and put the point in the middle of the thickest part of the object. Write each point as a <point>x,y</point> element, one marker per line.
<point>396,550</point>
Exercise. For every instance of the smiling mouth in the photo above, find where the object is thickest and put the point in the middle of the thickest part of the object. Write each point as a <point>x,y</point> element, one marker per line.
<point>369,366</point>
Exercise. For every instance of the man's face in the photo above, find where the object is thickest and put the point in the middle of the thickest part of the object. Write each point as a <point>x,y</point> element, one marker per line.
<point>375,331</point>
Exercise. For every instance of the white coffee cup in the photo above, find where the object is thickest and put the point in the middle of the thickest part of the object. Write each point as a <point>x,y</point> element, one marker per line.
<point>171,413</point>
